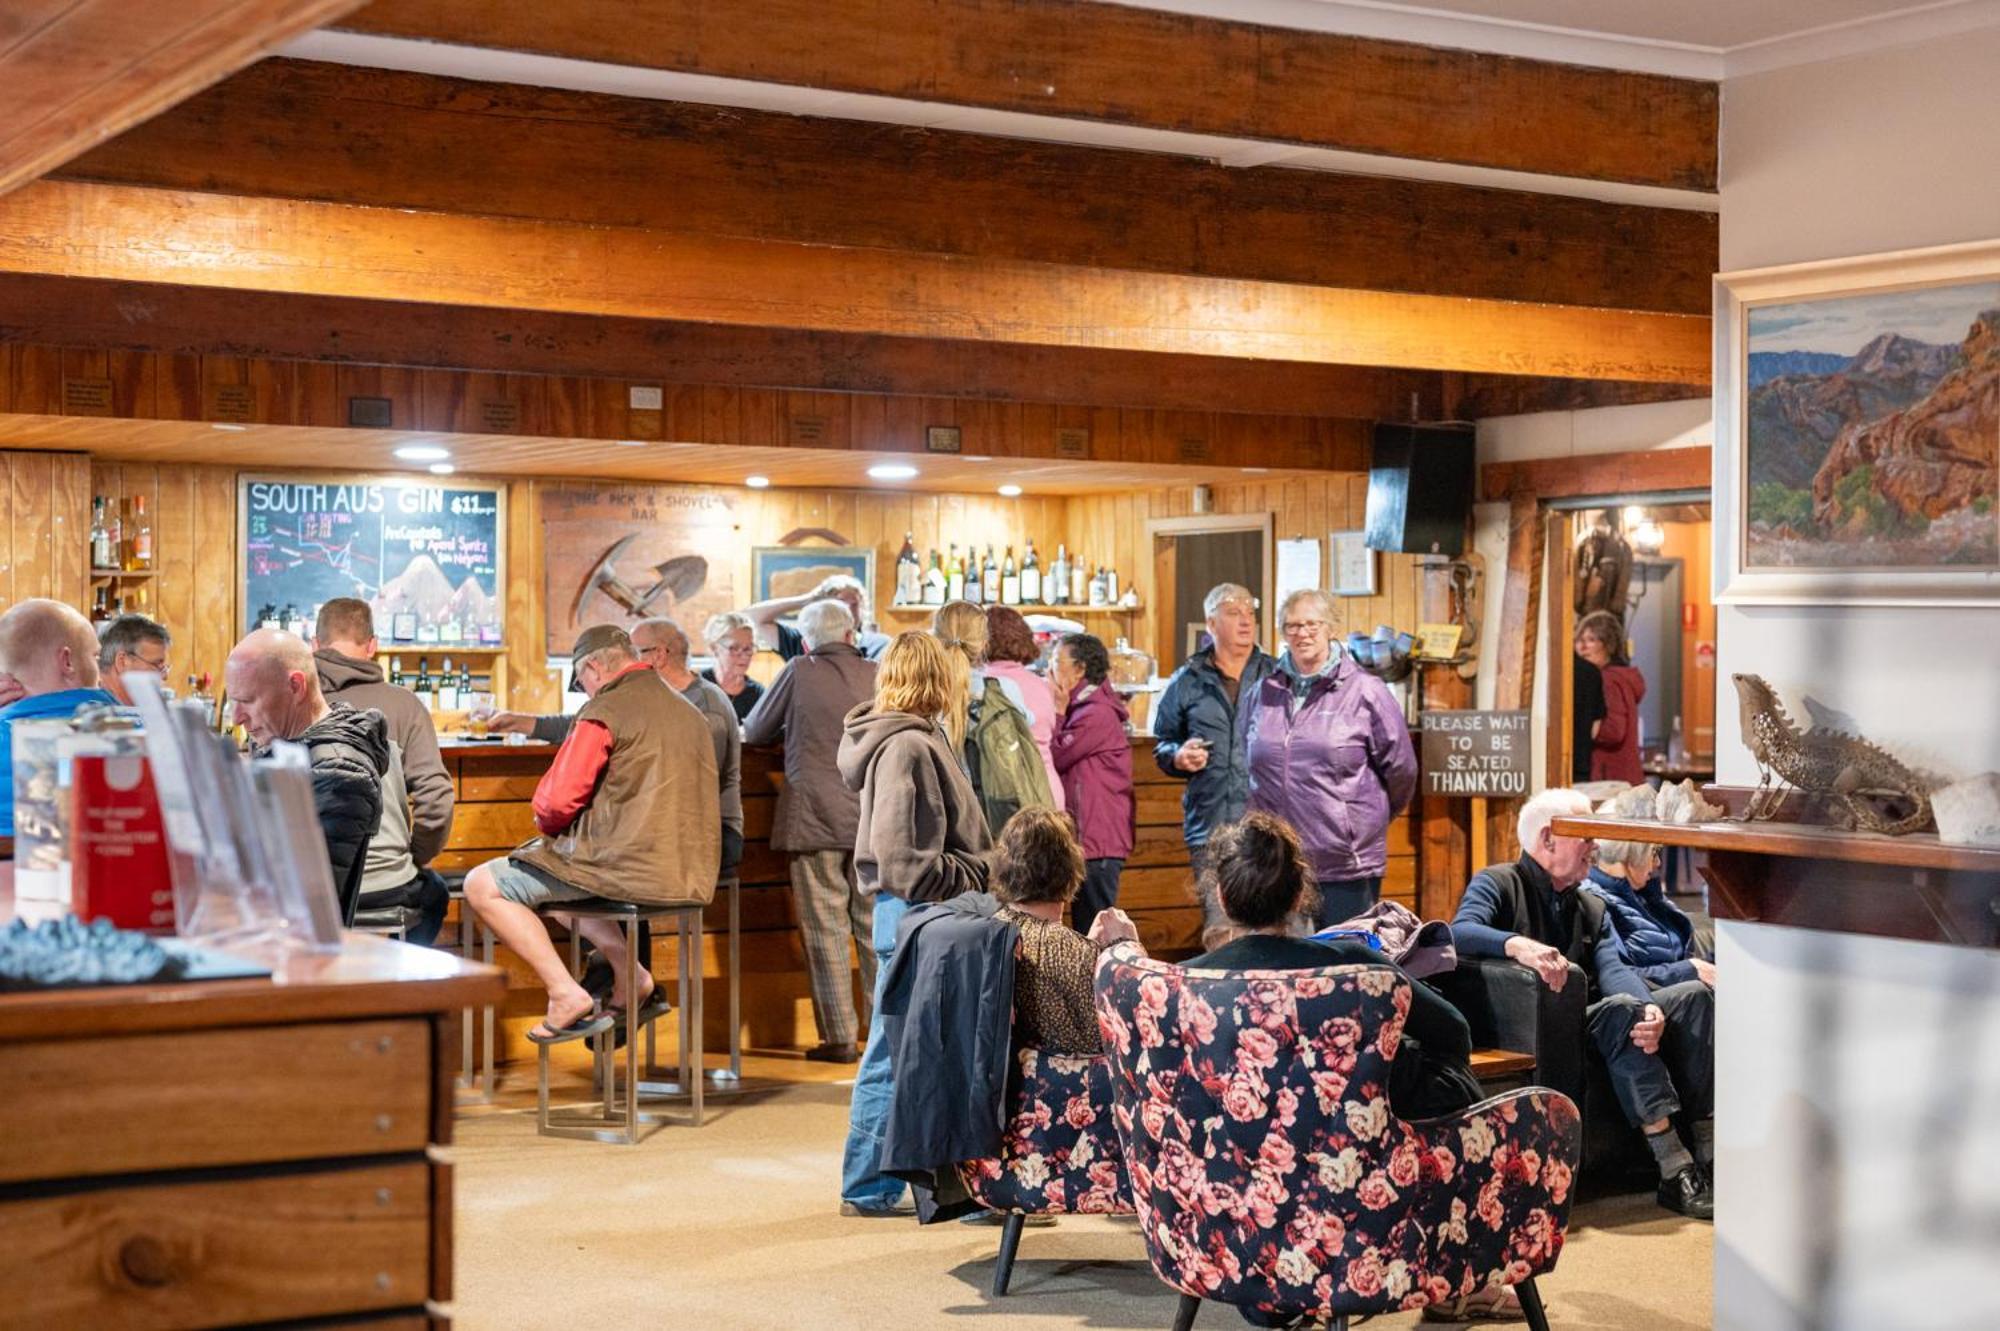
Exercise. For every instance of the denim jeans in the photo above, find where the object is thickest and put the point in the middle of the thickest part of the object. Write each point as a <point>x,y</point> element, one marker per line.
<point>861,1180</point>
<point>1341,899</point>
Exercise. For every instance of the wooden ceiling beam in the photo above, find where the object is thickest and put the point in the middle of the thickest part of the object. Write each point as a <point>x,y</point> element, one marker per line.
<point>1595,475</point>
<point>338,134</point>
<point>1134,66</point>
<point>73,72</point>
<point>72,229</point>
<point>1472,397</point>
<point>182,320</point>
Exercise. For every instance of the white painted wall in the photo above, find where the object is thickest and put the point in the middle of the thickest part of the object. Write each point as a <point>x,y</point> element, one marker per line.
<point>1850,1192</point>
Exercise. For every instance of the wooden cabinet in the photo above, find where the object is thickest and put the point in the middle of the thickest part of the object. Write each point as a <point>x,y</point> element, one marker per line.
<point>236,1152</point>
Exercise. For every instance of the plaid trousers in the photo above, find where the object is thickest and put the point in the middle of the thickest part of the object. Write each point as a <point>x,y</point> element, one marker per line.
<point>834,918</point>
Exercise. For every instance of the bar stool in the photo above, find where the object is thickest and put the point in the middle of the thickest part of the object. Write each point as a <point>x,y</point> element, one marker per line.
<point>723,1081</point>
<point>477,1082</point>
<point>614,1122</point>
<point>387,921</point>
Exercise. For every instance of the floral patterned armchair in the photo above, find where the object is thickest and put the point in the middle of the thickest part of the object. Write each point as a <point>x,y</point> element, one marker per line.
<point>1060,1153</point>
<point>1269,1170</point>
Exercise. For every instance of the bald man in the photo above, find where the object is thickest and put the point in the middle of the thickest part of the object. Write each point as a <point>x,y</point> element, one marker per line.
<point>273,684</point>
<point>48,669</point>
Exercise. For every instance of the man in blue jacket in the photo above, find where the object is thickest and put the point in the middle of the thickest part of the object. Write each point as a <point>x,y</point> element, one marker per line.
<point>48,669</point>
<point>1659,1046</point>
<point>1199,729</point>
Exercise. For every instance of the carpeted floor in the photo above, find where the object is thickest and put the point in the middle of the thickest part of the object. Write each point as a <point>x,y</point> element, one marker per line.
<point>735,1225</point>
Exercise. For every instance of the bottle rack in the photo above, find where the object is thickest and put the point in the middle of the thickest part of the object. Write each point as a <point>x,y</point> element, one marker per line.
<point>1039,609</point>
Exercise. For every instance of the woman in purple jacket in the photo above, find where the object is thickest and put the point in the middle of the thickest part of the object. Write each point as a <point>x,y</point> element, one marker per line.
<point>1330,754</point>
<point>1094,756</point>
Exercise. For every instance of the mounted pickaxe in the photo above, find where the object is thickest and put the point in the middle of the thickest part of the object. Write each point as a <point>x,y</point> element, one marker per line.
<point>682,576</point>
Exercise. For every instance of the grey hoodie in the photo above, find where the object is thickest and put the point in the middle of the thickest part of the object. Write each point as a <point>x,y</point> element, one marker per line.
<point>360,684</point>
<point>921,834</point>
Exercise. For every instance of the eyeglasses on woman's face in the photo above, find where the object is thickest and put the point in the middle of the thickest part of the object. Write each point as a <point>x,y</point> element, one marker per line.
<point>737,649</point>
<point>1304,628</point>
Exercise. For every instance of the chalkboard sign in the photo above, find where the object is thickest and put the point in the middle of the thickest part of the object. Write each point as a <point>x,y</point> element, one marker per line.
<point>1476,753</point>
<point>429,558</point>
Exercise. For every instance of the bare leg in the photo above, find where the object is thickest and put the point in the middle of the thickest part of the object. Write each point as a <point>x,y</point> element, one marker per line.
<point>521,930</point>
<point>609,939</point>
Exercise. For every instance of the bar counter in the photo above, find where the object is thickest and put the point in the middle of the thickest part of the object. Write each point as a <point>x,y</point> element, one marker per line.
<point>234,1152</point>
<point>495,783</point>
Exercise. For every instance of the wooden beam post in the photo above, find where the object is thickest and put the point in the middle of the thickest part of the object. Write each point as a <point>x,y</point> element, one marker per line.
<point>1520,623</point>
<point>1444,822</point>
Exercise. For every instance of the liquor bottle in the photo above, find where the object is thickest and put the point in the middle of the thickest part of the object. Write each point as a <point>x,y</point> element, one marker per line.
<point>453,630</point>
<point>100,610</point>
<point>954,576</point>
<point>396,671</point>
<point>100,535</point>
<point>1079,592</point>
<point>934,583</point>
<point>1110,585</point>
<point>140,531</point>
<point>1010,580</point>
<point>1058,589</point>
<point>114,534</point>
<point>989,577</point>
<point>447,689</point>
<point>908,573</point>
<point>465,683</point>
<point>425,688</point>
<point>1031,576</point>
<point>1099,589</point>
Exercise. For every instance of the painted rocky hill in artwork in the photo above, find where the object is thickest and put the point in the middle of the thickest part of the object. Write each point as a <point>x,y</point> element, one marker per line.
<point>1935,461</point>
<point>421,587</point>
<point>1795,418</point>
<point>1889,461</point>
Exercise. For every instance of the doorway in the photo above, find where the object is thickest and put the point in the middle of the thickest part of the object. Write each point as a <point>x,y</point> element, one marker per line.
<point>1193,555</point>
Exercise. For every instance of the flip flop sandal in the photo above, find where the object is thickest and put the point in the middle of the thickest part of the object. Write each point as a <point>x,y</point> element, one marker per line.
<point>589,1024</point>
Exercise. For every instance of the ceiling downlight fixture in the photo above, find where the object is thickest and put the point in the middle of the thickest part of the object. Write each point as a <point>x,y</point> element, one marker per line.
<point>892,471</point>
<point>423,453</point>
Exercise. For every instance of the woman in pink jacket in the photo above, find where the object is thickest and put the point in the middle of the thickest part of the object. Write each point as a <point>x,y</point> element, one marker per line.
<point>1093,750</point>
<point>1010,650</point>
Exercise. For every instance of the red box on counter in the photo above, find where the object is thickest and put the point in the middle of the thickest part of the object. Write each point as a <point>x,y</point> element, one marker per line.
<point>118,864</point>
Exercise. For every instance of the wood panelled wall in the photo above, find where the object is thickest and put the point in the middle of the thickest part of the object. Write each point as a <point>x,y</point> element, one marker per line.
<point>1310,507</point>
<point>193,590</point>
<point>45,529</point>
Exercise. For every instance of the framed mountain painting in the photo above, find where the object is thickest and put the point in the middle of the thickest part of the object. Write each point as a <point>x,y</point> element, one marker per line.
<point>1858,430</point>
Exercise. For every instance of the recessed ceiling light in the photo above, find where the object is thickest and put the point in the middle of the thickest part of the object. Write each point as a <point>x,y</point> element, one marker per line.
<point>1255,471</point>
<point>1010,490</point>
<point>631,443</point>
<point>892,471</point>
<point>423,453</point>
<point>978,457</point>
<point>234,429</point>
<point>442,469</point>
<point>757,482</point>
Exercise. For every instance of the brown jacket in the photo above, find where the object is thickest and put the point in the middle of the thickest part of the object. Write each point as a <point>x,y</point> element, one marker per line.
<point>921,835</point>
<point>360,684</point>
<point>653,831</point>
<point>806,710</point>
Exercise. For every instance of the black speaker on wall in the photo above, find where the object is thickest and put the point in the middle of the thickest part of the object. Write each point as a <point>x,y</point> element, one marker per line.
<point>1420,483</point>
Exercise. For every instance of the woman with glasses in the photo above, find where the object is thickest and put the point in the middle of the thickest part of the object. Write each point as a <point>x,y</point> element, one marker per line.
<point>1329,753</point>
<point>732,643</point>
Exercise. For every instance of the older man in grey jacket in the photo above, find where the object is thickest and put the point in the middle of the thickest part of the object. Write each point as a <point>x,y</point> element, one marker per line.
<point>817,814</point>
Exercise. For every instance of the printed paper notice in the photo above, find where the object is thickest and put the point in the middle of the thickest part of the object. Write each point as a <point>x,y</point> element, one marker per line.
<point>1298,568</point>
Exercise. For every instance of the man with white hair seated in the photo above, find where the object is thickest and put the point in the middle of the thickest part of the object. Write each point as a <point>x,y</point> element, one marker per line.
<point>818,816</point>
<point>48,669</point>
<point>774,635</point>
<point>1657,1045</point>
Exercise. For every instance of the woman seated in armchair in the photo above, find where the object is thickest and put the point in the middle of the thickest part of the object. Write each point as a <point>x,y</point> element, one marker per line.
<point>1037,871</point>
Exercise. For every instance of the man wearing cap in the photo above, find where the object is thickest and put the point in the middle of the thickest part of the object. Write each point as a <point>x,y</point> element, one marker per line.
<point>629,811</point>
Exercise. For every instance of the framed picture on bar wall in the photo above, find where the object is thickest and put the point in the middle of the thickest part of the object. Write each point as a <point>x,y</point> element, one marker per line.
<point>1353,564</point>
<point>430,558</point>
<point>1858,430</point>
<point>794,570</point>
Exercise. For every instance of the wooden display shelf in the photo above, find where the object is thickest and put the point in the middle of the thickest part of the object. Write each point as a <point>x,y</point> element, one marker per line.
<point>1026,609</point>
<point>122,574</point>
<point>1809,875</point>
<point>436,649</point>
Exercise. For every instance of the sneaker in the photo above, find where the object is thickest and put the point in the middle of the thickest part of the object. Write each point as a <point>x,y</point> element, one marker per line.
<point>1689,1193</point>
<point>900,1210</point>
<point>834,1053</point>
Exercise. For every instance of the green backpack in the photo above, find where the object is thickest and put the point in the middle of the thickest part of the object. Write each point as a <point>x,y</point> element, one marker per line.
<point>1007,768</point>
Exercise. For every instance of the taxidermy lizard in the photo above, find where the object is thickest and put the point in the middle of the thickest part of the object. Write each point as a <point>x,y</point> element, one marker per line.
<point>1857,775</point>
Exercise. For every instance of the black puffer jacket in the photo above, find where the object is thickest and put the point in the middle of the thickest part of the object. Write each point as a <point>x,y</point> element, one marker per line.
<point>349,749</point>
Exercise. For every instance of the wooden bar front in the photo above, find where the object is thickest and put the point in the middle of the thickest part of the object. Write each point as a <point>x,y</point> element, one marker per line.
<point>234,1152</point>
<point>495,783</point>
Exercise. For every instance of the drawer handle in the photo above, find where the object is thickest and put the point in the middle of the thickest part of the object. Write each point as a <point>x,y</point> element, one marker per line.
<point>146,1262</point>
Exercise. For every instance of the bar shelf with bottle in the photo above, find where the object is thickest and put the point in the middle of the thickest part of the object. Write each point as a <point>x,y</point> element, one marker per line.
<point>997,579</point>
<point>922,608</point>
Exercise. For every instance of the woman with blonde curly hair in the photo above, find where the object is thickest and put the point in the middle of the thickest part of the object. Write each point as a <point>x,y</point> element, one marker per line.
<point>921,837</point>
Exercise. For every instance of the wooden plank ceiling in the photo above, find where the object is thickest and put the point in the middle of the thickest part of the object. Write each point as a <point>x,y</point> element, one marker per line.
<point>74,72</point>
<point>1128,65</point>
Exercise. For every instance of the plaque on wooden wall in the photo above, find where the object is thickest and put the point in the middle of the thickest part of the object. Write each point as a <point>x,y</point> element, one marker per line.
<point>499,417</point>
<point>1193,448</point>
<point>809,431</point>
<point>86,397</point>
<point>370,413</point>
<point>1476,753</point>
<point>1072,441</point>
<point>944,438</point>
<point>616,554</point>
<point>230,402</point>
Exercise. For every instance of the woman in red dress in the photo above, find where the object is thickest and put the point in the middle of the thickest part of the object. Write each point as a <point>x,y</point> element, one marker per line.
<point>1614,741</point>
